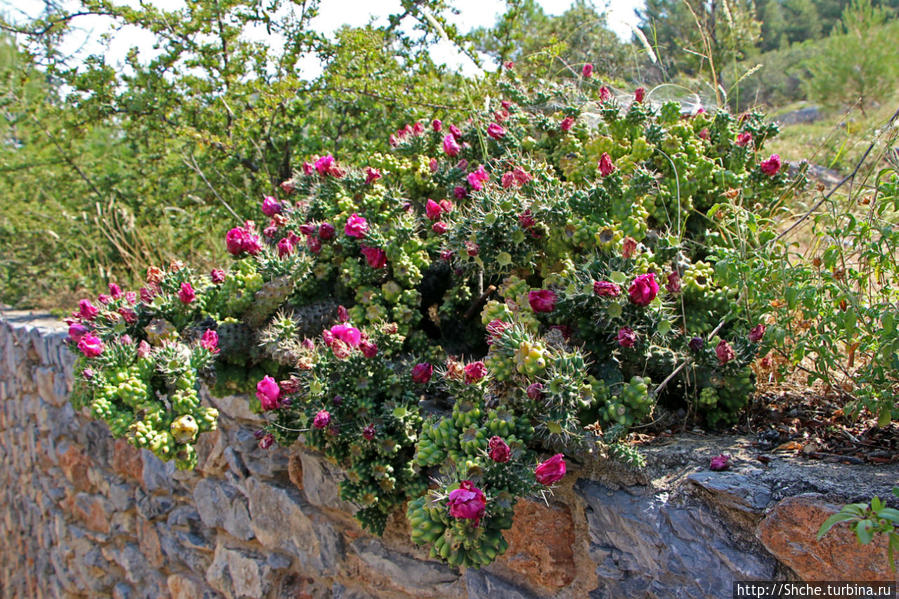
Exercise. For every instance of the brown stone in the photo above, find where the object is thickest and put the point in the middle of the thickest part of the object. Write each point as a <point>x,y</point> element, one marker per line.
<point>789,531</point>
<point>295,470</point>
<point>540,544</point>
<point>93,510</point>
<point>75,465</point>
<point>148,541</point>
<point>185,587</point>
<point>211,453</point>
<point>126,460</point>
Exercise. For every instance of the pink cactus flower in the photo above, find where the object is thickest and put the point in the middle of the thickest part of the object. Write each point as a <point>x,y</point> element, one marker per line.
<point>771,166</point>
<point>356,226</point>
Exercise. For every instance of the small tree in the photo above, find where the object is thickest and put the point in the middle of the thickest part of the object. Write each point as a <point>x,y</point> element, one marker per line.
<point>858,63</point>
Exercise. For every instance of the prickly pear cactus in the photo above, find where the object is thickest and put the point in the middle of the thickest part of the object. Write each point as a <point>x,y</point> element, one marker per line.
<point>432,318</point>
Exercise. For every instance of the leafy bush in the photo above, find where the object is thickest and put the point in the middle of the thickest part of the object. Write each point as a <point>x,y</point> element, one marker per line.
<point>857,64</point>
<point>537,279</point>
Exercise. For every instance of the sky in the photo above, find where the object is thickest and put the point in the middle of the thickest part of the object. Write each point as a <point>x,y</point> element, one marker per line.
<point>333,14</point>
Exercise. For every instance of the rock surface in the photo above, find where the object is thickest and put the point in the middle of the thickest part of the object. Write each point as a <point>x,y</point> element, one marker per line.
<point>85,515</point>
<point>790,531</point>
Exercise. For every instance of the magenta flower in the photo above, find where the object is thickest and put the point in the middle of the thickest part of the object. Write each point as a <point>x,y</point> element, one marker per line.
<point>606,289</point>
<point>720,462</point>
<point>604,94</point>
<point>375,257</point>
<point>371,175</point>
<point>478,177</point>
<point>307,229</point>
<point>724,352</point>
<point>131,297</point>
<point>459,192</point>
<point>587,71</point>
<point>451,146</point>
<point>433,209</point>
<point>626,337</point>
<point>550,471</point>
<point>628,247</point>
<point>421,373</point>
<point>440,227</point>
<point>322,419</point>
<point>755,335</point>
<point>639,94</point>
<point>268,393</point>
<point>535,391</point>
<point>115,291</point>
<point>323,165</point>
<point>356,226</point>
<point>446,206</point>
<point>314,244</point>
<point>368,348</point>
<point>308,168</point>
<point>128,315</point>
<point>342,314</point>
<point>77,331</point>
<point>436,125</point>
<point>455,132</point>
<point>704,133</point>
<point>567,123</point>
<point>696,343</point>
<point>467,502</point>
<point>234,241</point>
<point>239,240</point>
<point>210,340</point>
<point>771,165</point>
<point>270,206</point>
<point>368,432</point>
<point>672,285</point>
<point>90,345</point>
<point>104,299</point>
<point>606,167</point>
<point>475,372</point>
<point>644,289</point>
<point>496,131</point>
<point>288,186</point>
<point>326,231</point>
<point>186,294</point>
<point>471,248</point>
<point>495,328</point>
<point>217,275</point>
<point>744,139</point>
<point>507,180</point>
<point>266,441</point>
<point>542,300</point>
<point>346,333</point>
<point>86,310</point>
<point>285,247</point>
<point>498,450</point>
<point>526,219</point>
<point>143,349</point>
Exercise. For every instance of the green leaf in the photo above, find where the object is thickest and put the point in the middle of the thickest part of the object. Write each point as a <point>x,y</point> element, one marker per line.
<point>834,519</point>
<point>889,513</point>
<point>864,532</point>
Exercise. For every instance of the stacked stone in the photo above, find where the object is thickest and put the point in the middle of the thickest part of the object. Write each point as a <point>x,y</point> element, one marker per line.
<point>83,515</point>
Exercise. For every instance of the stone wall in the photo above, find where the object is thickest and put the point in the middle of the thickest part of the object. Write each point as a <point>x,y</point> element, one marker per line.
<point>84,515</point>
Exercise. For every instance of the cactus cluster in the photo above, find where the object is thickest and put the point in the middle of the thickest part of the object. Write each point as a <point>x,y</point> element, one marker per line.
<point>435,316</point>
